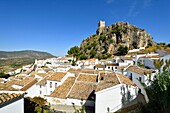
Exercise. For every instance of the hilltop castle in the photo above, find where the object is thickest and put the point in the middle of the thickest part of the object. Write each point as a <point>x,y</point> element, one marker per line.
<point>101,24</point>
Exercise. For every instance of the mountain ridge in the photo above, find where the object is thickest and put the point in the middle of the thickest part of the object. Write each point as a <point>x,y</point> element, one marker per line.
<point>25,54</point>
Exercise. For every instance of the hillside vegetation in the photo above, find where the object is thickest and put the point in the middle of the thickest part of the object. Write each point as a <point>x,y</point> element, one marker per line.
<point>108,40</point>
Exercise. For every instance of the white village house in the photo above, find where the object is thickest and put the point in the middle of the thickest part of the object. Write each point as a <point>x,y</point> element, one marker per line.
<point>105,86</point>
<point>12,102</point>
<point>113,92</point>
<point>138,74</point>
<point>55,80</point>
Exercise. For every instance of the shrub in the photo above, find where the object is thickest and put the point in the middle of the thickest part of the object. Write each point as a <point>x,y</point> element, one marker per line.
<point>92,54</point>
<point>122,50</point>
<point>3,75</point>
<point>83,57</point>
<point>102,38</point>
<point>111,41</point>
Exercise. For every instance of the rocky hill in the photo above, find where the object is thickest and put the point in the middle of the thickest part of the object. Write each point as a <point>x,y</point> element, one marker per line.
<point>108,39</point>
<point>24,54</point>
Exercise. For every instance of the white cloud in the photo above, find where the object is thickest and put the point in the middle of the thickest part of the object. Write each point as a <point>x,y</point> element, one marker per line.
<point>132,10</point>
<point>109,1</point>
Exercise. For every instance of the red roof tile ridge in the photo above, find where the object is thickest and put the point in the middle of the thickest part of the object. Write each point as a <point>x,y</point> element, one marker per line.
<point>118,78</point>
<point>72,85</point>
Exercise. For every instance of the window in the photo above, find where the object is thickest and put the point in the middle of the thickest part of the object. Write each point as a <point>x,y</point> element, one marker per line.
<point>130,76</point>
<point>108,67</point>
<point>139,91</point>
<point>102,78</point>
<point>50,84</point>
<point>55,85</point>
<point>40,86</point>
<point>140,79</point>
<point>40,92</point>
<point>115,67</point>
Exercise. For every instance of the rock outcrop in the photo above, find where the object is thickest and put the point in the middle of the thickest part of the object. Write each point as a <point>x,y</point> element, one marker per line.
<point>108,39</point>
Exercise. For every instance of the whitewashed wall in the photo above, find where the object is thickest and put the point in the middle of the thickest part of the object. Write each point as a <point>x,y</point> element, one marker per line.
<point>69,101</point>
<point>32,91</point>
<point>14,107</point>
<point>129,62</point>
<point>51,89</point>
<point>135,79</point>
<point>41,90</point>
<point>110,99</point>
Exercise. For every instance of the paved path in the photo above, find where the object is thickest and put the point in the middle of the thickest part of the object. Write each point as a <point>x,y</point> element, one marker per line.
<point>71,109</point>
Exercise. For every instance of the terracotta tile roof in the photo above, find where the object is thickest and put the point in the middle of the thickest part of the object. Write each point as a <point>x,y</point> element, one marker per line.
<point>5,97</point>
<point>5,87</point>
<point>121,67</point>
<point>100,66</point>
<point>81,90</point>
<point>84,85</point>
<point>43,81</point>
<point>42,74</point>
<point>167,51</point>
<point>62,58</point>
<point>30,84</point>
<point>62,90</point>
<point>107,80</point>
<point>139,70</point>
<point>33,73</point>
<point>48,70</point>
<point>128,58</point>
<point>108,77</point>
<point>87,77</point>
<point>124,79</point>
<point>155,56</point>
<point>89,71</point>
<point>104,85</point>
<point>26,82</point>
<point>62,67</point>
<point>109,64</point>
<point>76,72</point>
<point>120,60</point>
<point>57,76</point>
<point>1,79</point>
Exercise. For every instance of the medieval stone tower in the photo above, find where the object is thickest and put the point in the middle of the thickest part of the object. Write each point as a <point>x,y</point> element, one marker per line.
<point>101,24</point>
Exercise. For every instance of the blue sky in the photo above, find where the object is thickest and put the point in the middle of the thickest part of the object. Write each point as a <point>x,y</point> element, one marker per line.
<point>56,25</point>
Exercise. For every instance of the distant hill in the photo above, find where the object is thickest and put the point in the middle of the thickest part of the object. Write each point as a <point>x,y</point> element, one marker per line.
<point>24,54</point>
<point>11,60</point>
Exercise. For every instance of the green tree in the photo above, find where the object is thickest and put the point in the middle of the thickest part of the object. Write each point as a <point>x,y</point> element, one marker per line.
<point>134,44</point>
<point>159,90</point>
<point>122,50</point>
<point>158,64</point>
<point>111,41</point>
<point>74,51</point>
<point>168,45</point>
<point>83,57</point>
<point>102,38</point>
<point>92,54</point>
<point>73,63</point>
<point>159,94</point>
<point>3,75</point>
